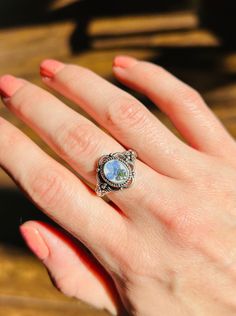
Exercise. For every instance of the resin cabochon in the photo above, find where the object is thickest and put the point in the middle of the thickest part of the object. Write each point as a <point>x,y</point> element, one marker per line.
<point>116,171</point>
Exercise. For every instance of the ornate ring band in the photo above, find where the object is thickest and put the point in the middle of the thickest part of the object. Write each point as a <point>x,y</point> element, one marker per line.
<point>115,172</point>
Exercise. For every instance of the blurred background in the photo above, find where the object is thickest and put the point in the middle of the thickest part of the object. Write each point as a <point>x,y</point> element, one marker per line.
<point>193,39</point>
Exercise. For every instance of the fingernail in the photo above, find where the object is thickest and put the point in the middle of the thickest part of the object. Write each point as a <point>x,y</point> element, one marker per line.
<point>50,67</point>
<point>124,61</point>
<point>35,241</point>
<point>9,85</point>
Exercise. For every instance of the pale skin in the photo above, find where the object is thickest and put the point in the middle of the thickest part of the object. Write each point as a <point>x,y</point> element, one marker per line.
<point>167,244</point>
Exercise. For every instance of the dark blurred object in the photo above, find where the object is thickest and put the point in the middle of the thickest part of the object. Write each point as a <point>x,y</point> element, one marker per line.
<point>219,16</point>
<point>15,210</point>
<point>25,12</point>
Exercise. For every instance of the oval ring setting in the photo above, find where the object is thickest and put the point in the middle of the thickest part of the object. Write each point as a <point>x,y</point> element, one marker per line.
<point>115,172</point>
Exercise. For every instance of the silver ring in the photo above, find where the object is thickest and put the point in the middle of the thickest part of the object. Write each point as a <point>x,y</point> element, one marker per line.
<point>115,172</point>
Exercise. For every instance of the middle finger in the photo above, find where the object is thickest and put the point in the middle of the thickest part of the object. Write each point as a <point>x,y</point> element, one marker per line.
<point>127,119</point>
<point>79,142</point>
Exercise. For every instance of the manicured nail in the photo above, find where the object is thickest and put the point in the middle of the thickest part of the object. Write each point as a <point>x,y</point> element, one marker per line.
<point>9,85</point>
<point>124,61</point>
<point>50,67</point>
<point>34,241</point>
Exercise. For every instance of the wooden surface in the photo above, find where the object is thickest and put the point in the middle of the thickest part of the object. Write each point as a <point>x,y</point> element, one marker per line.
<point>174,39</point>
<point>26,290</point>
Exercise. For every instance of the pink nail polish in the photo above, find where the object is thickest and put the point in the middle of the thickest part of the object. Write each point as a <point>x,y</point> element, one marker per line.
<point>9,85</point>
<point>50,67</point>
<point>124,61</point>
<point>35,241</point>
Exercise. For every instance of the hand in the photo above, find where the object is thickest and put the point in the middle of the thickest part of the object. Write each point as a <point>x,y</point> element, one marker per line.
<point>167,244</point>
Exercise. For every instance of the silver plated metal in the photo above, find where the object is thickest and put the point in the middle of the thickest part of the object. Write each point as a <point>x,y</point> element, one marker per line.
<point>115,172</point>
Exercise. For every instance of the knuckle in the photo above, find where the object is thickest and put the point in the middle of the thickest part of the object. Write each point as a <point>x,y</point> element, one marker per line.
<point>24,98</point>
<point>178,220</point>
<point>191,97</point>
<point>47,188</point>
<point>76,139</point>
<point>181,224</point>
<point>126,112</point>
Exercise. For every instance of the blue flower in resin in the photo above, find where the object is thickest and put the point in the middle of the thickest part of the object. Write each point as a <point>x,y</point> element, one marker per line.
<point>116,171</point>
